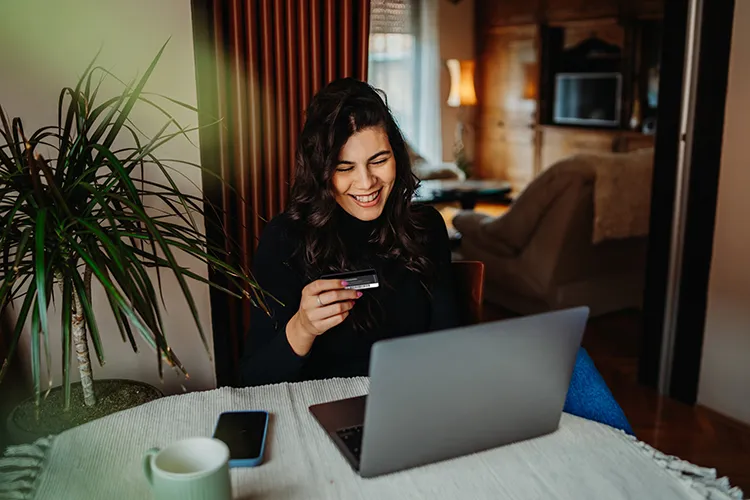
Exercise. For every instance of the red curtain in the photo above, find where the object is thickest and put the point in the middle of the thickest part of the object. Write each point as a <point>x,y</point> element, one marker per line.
<point>258,64</point>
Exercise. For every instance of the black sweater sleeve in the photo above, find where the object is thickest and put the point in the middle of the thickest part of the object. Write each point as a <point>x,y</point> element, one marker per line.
<point>444,305</point>
<point>268,358</point>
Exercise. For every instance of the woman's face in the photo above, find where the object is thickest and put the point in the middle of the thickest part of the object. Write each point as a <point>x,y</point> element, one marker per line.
<point>365,174</point>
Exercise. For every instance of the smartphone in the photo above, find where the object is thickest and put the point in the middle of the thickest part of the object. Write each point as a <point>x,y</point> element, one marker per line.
<point>244,432</point>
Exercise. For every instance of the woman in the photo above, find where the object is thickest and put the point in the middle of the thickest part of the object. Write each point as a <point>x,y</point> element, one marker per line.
<point>350,210</point>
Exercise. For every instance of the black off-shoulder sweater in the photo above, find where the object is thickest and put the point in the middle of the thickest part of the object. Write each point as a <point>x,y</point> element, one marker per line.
<point>403,304</point>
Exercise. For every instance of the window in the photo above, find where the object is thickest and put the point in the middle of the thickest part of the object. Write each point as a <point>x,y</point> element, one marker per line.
<point>403,62</point>
<point>393,59</point>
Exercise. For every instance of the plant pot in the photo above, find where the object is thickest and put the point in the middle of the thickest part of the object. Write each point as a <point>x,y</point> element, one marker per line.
<point>112,395</point>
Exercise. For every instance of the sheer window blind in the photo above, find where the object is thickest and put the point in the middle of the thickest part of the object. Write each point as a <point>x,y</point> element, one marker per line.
<point>393,59</point>
<point>404,62</point>
<point>392,16</point>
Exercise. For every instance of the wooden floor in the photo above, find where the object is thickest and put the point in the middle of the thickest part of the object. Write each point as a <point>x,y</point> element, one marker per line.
<point>449,210</point>
<point>695,434</point>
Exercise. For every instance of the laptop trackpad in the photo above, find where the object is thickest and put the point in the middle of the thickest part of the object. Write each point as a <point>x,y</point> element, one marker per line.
<point>340,414</point>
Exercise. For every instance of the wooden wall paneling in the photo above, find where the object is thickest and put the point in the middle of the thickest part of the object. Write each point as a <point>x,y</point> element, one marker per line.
<point>509,12</point>
<point>506,118</point>
<point>601,8</point>
<point>561,142</point>
<point>564,10</point>
<point>630,141</point>
<point>607,29</point>
<point>491,149</point>
<point>646,9</point>
<point>520,12</point>
<point>513,140</point>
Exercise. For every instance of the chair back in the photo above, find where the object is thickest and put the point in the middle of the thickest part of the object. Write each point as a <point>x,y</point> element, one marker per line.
<point>469,279</point>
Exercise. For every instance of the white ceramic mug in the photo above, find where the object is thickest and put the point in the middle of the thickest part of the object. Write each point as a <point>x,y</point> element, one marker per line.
<point>191,469</point>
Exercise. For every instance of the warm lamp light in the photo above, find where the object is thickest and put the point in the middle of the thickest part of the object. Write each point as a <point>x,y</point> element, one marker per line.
<point>462,83</point>
<point>529,86</point>
<point>462,94</point>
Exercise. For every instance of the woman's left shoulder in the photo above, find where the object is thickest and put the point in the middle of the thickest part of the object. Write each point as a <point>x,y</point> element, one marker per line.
<point>429,218</point>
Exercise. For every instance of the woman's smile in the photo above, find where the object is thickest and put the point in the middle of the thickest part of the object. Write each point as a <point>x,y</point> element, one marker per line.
<point>365,174</point>
<point>367,200</point>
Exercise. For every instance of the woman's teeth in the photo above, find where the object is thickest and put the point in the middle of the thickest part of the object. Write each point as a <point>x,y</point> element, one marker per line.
<point>367,199</point>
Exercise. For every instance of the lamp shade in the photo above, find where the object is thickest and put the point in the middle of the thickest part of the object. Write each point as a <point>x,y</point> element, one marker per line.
<point>462,83</point>
<point>529,85</point>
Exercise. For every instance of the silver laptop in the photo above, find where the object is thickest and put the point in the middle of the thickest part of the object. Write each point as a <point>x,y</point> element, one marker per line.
<point>444,394</point>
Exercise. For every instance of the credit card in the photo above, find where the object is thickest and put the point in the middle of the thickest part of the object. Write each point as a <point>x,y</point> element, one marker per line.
<point>356,280</point>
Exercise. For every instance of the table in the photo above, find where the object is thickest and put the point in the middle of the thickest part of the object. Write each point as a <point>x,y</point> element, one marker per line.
<point>467,193</point>
<point>582,460</point>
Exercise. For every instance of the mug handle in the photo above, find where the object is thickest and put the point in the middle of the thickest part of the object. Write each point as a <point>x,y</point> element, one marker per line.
<point>147,458</point>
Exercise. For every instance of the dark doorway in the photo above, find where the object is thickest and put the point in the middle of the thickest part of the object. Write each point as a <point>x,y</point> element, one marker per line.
<point>684,192</point>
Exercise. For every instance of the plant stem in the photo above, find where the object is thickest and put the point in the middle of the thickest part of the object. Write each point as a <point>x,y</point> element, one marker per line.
<point>80,342</point>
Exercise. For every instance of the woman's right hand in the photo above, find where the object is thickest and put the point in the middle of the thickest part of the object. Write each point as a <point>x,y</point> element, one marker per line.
<point>324,304</point>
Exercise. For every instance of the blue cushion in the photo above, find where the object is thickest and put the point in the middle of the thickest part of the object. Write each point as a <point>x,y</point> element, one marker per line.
<point>590,398</point>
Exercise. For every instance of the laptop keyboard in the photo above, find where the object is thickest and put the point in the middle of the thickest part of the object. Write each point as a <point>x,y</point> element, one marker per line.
<point>352,438</point>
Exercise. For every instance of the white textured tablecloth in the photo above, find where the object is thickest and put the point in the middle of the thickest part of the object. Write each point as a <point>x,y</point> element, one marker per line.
<point>582,460</point>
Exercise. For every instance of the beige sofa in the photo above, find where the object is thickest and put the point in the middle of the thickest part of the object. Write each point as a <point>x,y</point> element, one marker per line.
<point>558,246</point>
<point>442,171</point>
<point>426,171</point>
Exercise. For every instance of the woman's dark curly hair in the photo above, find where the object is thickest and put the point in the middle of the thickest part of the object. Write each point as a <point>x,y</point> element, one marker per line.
<point>341,109</point>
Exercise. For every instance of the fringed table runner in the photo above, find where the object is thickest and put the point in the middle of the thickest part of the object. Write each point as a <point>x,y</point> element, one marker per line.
<point>581,460</point>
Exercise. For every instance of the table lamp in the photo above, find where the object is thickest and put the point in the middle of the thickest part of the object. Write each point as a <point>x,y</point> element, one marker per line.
<point>462,95</point>
<point>530,92</point>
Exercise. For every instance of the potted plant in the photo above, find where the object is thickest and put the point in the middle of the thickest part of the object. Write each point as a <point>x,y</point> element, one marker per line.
<point>80,215</point>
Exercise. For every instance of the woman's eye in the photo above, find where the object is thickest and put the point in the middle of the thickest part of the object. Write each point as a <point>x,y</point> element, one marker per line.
<point>344,169</point>
<point>380,162</point>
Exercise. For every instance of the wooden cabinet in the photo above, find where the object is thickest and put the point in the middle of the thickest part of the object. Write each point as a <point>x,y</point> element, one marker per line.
<point>518,12</point>
<point>507,12</point>
<point>645,8</point>
<point>508,152</point>
<point>573,10</point>
<point>515,89</point>
<point>561,142</point>
<point>507,107</point>
<point>631,141</point>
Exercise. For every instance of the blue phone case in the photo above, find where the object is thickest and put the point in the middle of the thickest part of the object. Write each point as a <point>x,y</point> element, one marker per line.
<point>248,462</point>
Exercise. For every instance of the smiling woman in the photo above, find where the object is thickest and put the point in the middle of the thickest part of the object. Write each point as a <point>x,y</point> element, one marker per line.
<point>350,210</point>
<point>363,181</point>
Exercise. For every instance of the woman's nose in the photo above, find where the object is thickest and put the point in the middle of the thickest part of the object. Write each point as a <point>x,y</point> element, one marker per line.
<point>365,179</point>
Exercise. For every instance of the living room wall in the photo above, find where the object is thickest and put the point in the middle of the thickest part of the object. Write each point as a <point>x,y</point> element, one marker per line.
<point>725,369</point>
<point>47,45</point>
